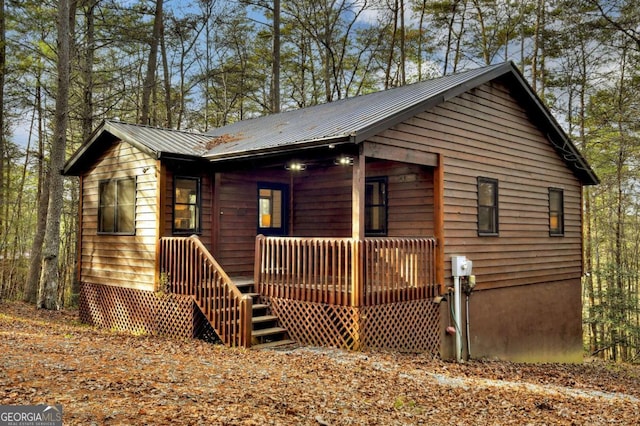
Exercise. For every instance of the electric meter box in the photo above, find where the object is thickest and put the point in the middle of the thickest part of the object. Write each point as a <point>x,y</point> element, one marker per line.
<point>461,266</point>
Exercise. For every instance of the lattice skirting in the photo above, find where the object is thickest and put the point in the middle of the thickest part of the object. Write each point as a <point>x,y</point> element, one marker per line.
<point>144,312</point>
<point>405,326</point>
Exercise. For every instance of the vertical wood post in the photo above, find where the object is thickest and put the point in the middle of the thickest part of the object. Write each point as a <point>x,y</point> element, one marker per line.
<point>358,197</point>
<point>438,220</point>
<point>161,187</point>
<point>357,227</point>
<point>80,227</point>
<point>582,229</point>
<point>257,264</point>
<point>246,323</point>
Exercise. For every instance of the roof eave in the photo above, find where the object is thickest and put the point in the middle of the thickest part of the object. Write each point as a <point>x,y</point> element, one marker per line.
<point>567,149</point>
<point>77,163</point>
<point>281,149</point>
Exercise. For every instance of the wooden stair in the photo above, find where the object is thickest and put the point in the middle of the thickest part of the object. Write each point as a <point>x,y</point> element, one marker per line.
<point>267,332</point>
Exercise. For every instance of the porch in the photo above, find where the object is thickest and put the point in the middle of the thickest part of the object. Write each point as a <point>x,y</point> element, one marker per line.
<point>342,292</point>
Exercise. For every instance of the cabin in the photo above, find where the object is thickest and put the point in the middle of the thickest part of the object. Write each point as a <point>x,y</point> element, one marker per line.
<point>441,217</point>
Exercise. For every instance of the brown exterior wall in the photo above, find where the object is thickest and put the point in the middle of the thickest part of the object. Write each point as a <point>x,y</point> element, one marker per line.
<point>485,132</point>
<point>321,198</point>
<point>322,202</point>
<point>120,260</point>
<point>410,197</point>
<point>237,200</point>
<point>531,323</point>
<point>527,303</point>
<point>532,280</point>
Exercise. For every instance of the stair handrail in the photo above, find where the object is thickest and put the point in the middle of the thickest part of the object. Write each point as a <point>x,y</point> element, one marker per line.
<point>192,271</point>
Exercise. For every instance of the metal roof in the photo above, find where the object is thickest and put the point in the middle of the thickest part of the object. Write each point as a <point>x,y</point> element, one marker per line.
<point>154,141</point>
<point>160,140</point>
<point>346,119</point>
<point>350,120</point>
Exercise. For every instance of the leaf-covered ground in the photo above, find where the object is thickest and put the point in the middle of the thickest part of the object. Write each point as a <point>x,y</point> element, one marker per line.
<point>101,377</point>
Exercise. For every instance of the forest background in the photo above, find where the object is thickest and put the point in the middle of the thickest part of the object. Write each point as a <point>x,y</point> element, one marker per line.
<point>194,65</point>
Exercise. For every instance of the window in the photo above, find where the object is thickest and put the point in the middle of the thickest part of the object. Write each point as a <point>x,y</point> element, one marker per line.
<point>116,213</point>
<point>487,206</point>
<point>375,209</point>
<point>272,217</point>
<point>556,212</point>
<point>186,205</point>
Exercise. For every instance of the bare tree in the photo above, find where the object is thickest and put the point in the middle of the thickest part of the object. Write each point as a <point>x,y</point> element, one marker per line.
<point>150,78</point>
<point>49,278</point>
<point>275,95</point>
<point>3,62</point>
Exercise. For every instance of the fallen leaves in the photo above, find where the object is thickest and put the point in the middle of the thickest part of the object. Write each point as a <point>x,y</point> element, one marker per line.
<point>102,377</point>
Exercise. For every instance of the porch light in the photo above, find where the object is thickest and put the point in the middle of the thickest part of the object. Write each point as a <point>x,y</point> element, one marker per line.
<point>344,160</point>
<point>295,166</point>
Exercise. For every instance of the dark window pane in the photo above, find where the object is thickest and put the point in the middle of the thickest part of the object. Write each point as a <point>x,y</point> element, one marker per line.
<point>556,211</point>
<point>487,206</point>
<point>485,219</point>
<point>375,221</point>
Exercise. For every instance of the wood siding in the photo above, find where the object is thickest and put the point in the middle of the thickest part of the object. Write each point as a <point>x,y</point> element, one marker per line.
<point>237,201</point>
<point>322,202</point>
<point>486,132</point>
<point>410,197</point>
<point>120,260</point>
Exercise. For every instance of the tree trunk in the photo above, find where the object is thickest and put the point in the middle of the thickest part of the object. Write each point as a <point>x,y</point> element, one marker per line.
<point>150,78</point>
<point>87,72</point>
<point>403,48</point>
<point>275,95</point>
<point>167,85</point>
<point>86,113</point>
<point>3,67</point>
<point>388,80</point>
<point>458,53</point>
<point>49,277</point>
<point>33,276</point>
<point>537,43</point>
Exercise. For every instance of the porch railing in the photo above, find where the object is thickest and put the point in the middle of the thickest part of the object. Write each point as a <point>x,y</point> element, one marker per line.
<point>344,271</point>
<point>188,268</point>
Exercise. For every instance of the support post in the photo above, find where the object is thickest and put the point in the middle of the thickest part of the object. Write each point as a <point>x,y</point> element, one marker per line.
<point>438,220</point>
<point>80,227</point>
<point>161,187</point>
<point>357,228</point>
<point>257,264</point>
<point>246,306</point>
